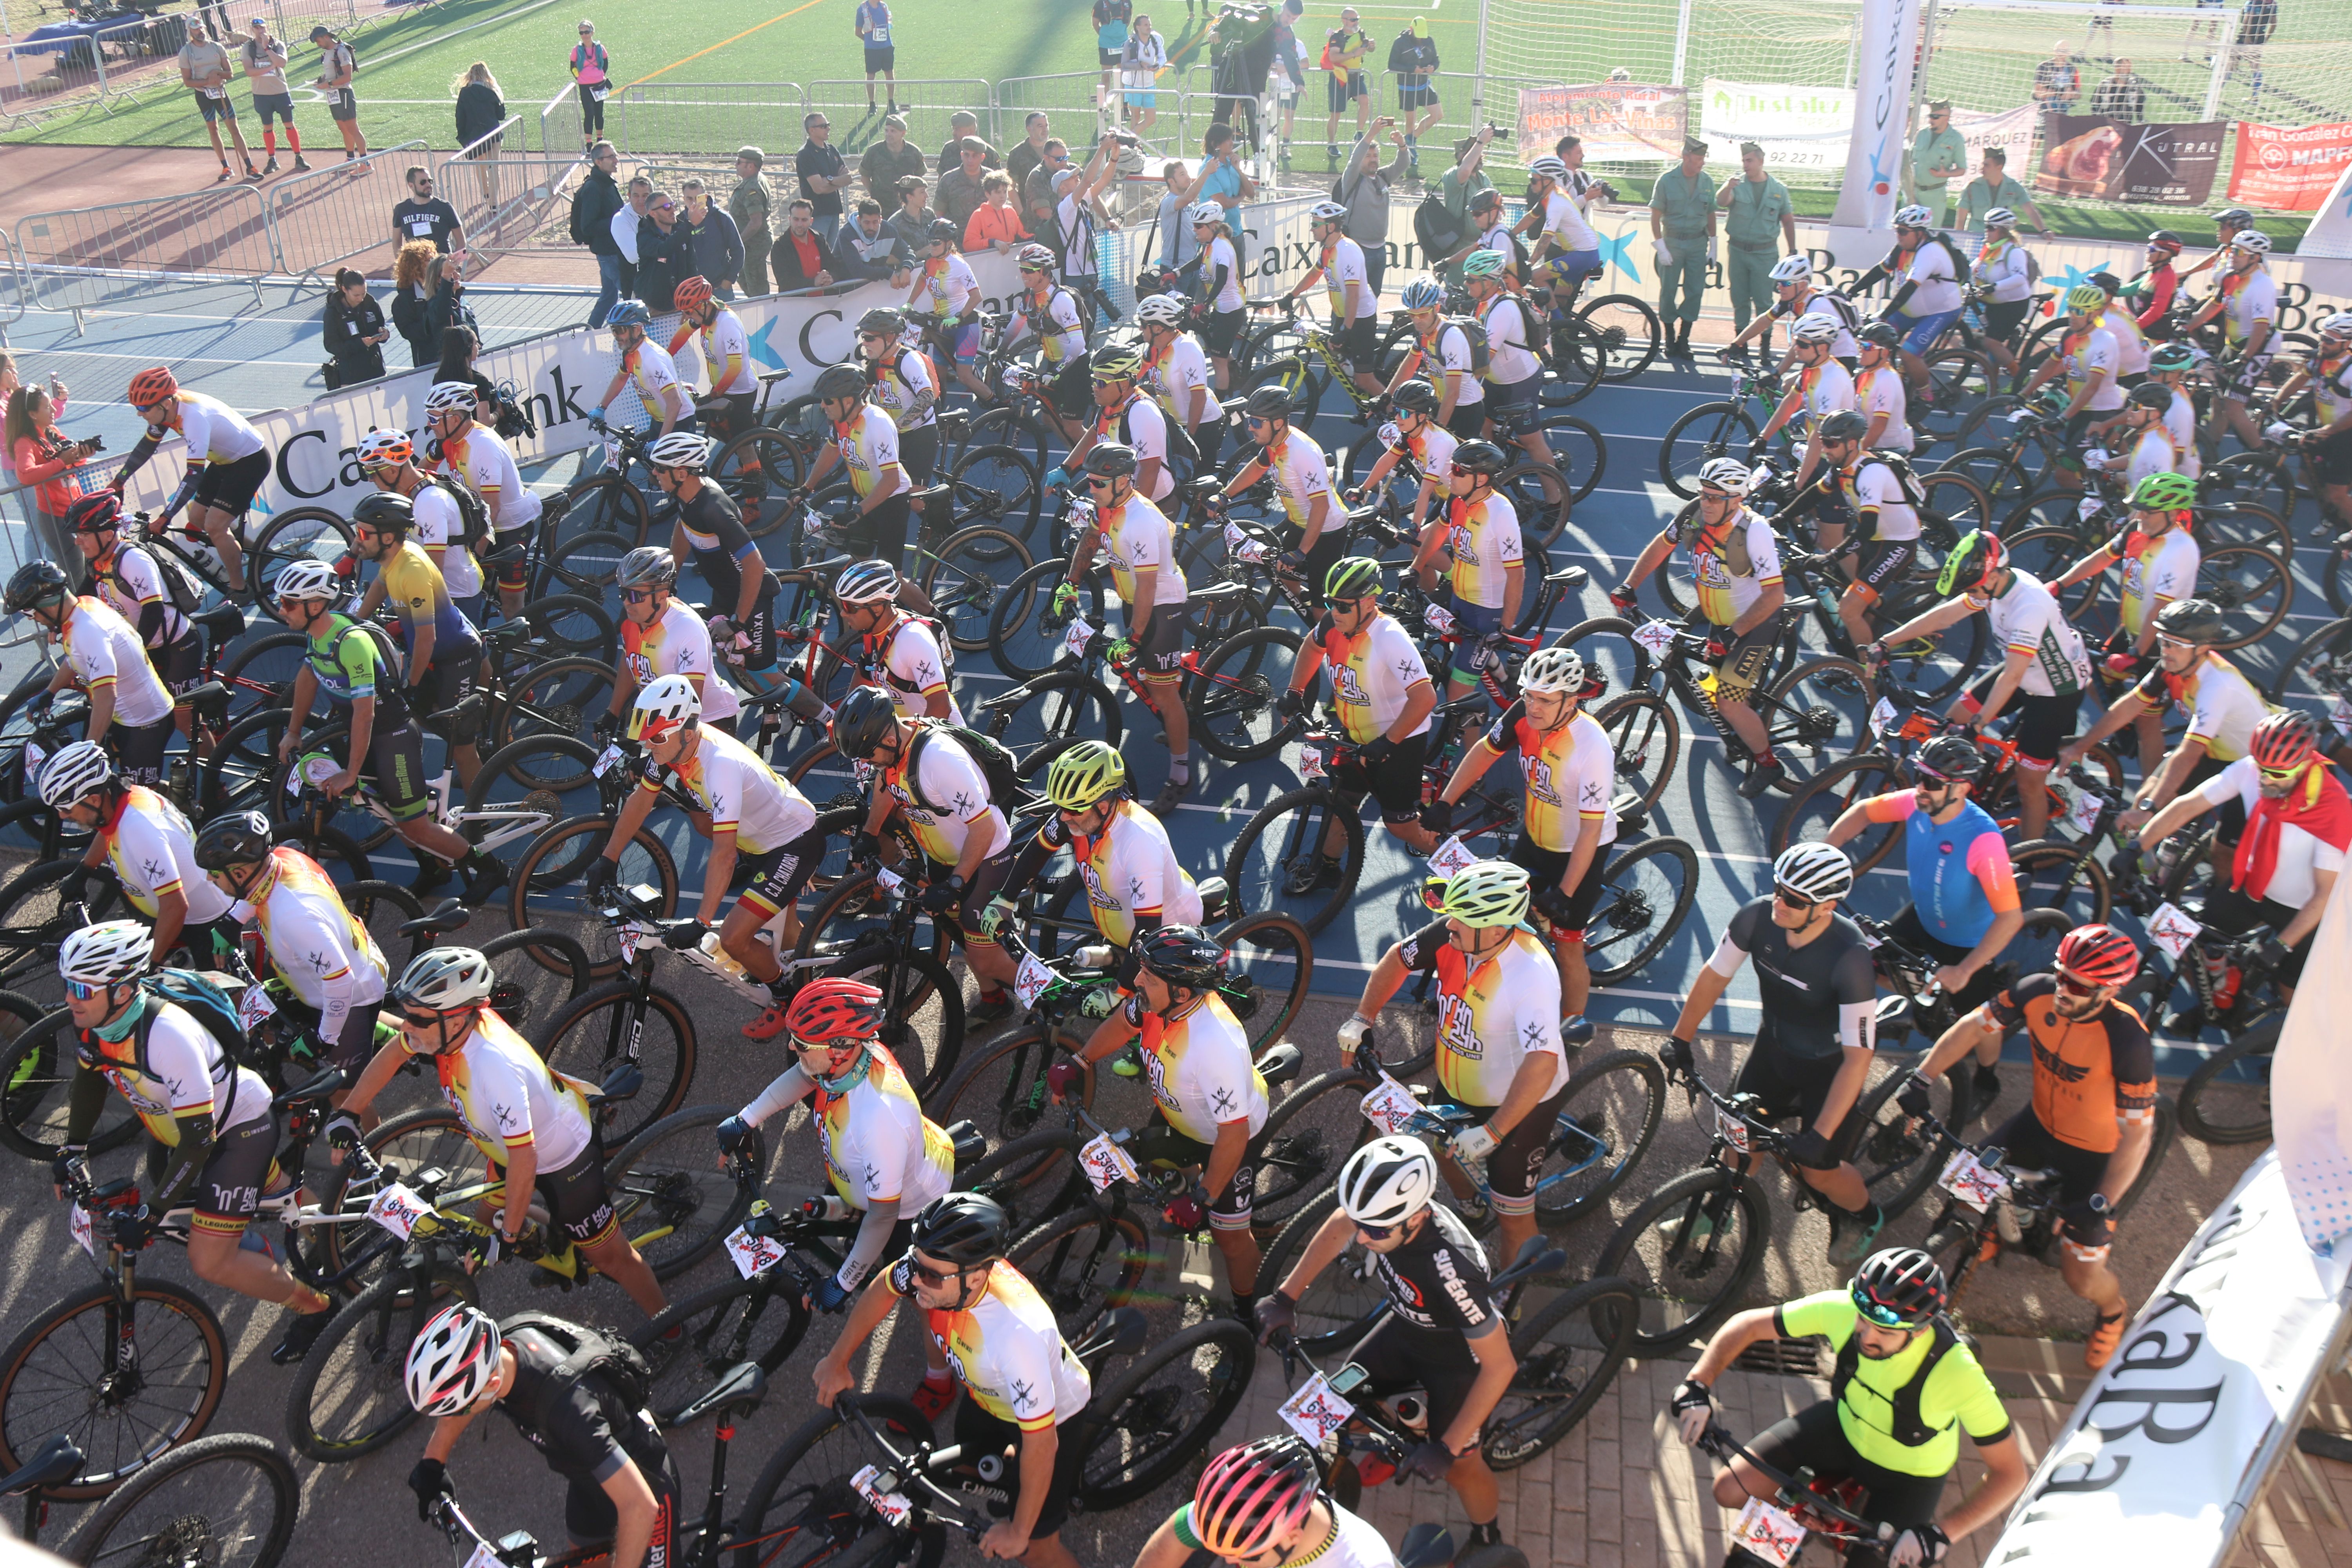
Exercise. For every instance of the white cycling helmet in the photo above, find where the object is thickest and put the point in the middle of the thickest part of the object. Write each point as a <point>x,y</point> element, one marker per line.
<point>1387,1181</point>
<point>452,1361</point>
<point>662,705</point>
<point>380,448</point>
<point>1817,871</point>
<point>73,773</point>
<point>2001,217</point>
<point>1547,169</point>
<point>107,953</point>
<point>1915,216</point>
<point>443,980</point>
<point>1326,212</point>
<point>1159,311</point>
<point>2253,241</point>
<point>1814,329</point>
<point>1791,270</point>
<point>1204,212</point>
<point>1729,475</point>
<point>866,582</point>
<point>307,578</point>
<point>2338,325</point>
<point>448,395</point>
<point>1554,670</point>
<point>680,450</point>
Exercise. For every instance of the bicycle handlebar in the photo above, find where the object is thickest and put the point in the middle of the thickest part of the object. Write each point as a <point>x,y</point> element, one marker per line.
<point>1795,1489</point>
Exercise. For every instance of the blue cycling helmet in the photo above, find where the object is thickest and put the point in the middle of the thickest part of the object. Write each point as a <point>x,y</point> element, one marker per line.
<point>630,313</point>
<point>1425,293</point>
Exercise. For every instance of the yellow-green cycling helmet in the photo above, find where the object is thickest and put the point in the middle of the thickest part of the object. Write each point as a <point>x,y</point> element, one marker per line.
<point>1086,773</point>
<point>2086,300</point>
<point>2164,492</point>
<point>1116,361</point>
<point>1487,893</point>
<point>1351,577</point>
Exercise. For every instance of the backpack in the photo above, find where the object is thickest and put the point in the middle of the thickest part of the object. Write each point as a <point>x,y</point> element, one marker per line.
<point>1904,1424</point>
<point>999,766</point>
<point>585,1351</point>
<point>1531,329</point>
<point>1914,494</point>
<point>1435,228</point>
<point>178,591</point>
<point>201,999</point>
<point>474,530</point>
<point>1959,262</point>
<point>1474,333</point>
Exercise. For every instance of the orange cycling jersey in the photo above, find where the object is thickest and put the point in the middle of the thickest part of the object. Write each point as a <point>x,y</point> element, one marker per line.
<point>2089,1074</point>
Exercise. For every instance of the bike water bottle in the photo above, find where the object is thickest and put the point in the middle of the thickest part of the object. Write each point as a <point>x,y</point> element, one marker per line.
<point>1827,600</point>
<point>725,961</point>
<point>826,1206</point>
<point>1413,1411</point>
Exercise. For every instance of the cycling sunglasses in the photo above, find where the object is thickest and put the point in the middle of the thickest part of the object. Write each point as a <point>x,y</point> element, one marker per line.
<point>2283,775</point>
<point>635,595</point>
<point>1098,481</point>
<point>1795,901</point>
<point>1885,1316</point>
<point>2071,986</point>
<point>83,990</point>
<point>937,1278</point>
<point>1375,1232</point>
<point>1348,606</point>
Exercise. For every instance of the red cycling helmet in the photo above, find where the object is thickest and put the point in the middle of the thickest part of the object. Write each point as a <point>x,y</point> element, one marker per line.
<point>95,513</point>
<point>2286,741</point>
<point>1250,1495</point>
<point>835,1010</point>
<point>2098,955</point>
<point>152,387</point>
<point>691,294</point>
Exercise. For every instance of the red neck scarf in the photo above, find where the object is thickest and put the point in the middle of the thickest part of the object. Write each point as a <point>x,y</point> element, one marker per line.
<point>2317,803</point>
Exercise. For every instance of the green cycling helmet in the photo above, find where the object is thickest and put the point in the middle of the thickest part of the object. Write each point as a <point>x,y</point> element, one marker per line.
<point>2086,300</point>
<point>1116,362</point>
<point>1487,893</point>
<point>1971,565</point>
<point>2162,493</point>
<point>1486,264</point>
<point>2172,356</point>
<point>1088,773</point>
<point>1352,577</point>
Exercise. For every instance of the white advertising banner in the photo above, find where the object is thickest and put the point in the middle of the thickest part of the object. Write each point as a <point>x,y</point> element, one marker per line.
<point>1800,128</point>
<point>2171,1442</point>
<point>2311,1092</point>
<point>1872,187</point>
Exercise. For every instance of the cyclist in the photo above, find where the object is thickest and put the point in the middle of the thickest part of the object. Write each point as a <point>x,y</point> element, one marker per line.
<point>1124,416</point>
<point>930,779</point>
<point>1209,1102</point>
<point>130,706</point>
<point>2003,284</point>
<point>1176,373</point>
<point>388,458</point>
<point>864,442</point>
<point>1739,594</point>
<point>2047,668</point>
<point>353,665</point>
<point>660,636</point>
<point>1501,1048</point>
<point>1302,481</point>
<point>2328,449</point>
<point>559,1383</point>
<point>903,387</point>
<point>1929,299</point>
<point>2298,826</point>
<point>1142,544</point>
<point>1878,390</point>
<point>1443,1334</point>
<point>1797,295</point>
<point>1813,1050</point>
<point>1487,578</point>
<point>477,458</point>
<point>2170,365</point>
<point>2224,709</point>
<point>2228,224</point>
<point>944,306</point>
<point>758,824</point>
<point>528,1121</point>
<point>2160,557</point>
<point>2246,301</point>
<point>1355,309</point>
<point>2088,356</point>
<point>2138,441</point>
<point>1215,273</point>
<point>1864,485</point>
<point>1054,315</point>
<point>1442,349</point>
<point>882,1154</point>
<point>1515,341</point>
<point>314,944</point>
<point>1903,1387</point>
<point>152,850</point>
<point>904,653</point>
<point>227,460</point>
<point>1383,696</point>
<point>1563,249</point>
<point>130,580</point>
<point>646,365</point>
<point>1023,1381</point>
<point>710,530</point>
<point>1266,1499</point>
<point>726,354</point>
<point>2093,1114</point>
<point>1414,437</point>
<point>440,650</point>
<point>2131,344</point>
<point>1823,387</point>
<point>2152,292</point>
<point>210,1116</point>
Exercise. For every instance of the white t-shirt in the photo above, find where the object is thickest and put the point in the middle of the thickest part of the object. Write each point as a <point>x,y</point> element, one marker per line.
<point>2223,708</point>
<point>1138,536</point>
<point>214,431</point>
<point>330,960</point>
<point>1510,359</point>
<point>725,340</point>
<point>1201,1073</point>
<point>1300,475</point>
<point>878,1144</point>
<point>1373,673</point>
<point>2181,423</point>
<point>2256,301</point>
<point>144,579</point>
<point>1220,254</point>
<point>1171,378</point>
<point>2300,855</point>
<point>438,524</point>
<point>184,1071</point>
<point>484,462</point>
<point>2091,353</point>
<point>1565,224</point>
<point>2131,344</point>
<point>1454,356</point>
<point>678,643</point>
<point>727,780</point>
<point>154,852</point>
<point>104,649</point>
<point>903,378</point>
<point>505,1097</point>
<point>1827,388</point>
<point>911,668</point>
<point>2027,620</point>
<point>1874,485</point>
<point>1880,391</point>
<point>653,373</point>
<point>952,290</point>
<point>1146,430</point>
<point>951,777</point>
<point>1346,266</point>
<point>2004,267</point>
<point>1061,335</point>
<point>1937,285</point>
<point>1817,302</point>
<point>2151,454</point>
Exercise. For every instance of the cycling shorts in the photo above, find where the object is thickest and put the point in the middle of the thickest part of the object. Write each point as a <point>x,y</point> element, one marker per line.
<point>1162,651</point>
<point>1513,1168</point>
<point>1401,1357</point>
<point>1329,546</point>
<point>777,875</point>
<point>1231,1209</point>
<point>352,1048</point>
<point>1742,669</point>
<point>228,1189</point>
<point>1881,563</point>
<point>1989,981</point>
<point>2247,381</point>
<point>512,576</point>
<point>2040,725</point>
<point>395,765</point>
<point>1920,332</point>
<point>979,1433</point>
<point>1223,327</point>
<point>1789,1085</point>
<point>2003,319</point>
<point>1467,658</point>
<point>2031,1147</point>
<point>181,664</point>
<point>577,1198</point>
<point>918,452</point>
<point>1359,345</point>
<point>278,104</point>
<point>1468,421</point>
<point>445,684</point>
<point>728,415</point>
<point>139,748</point>
<point>976,894</point>
<point>880,535</point>
<point>1071,391</point>
<point>231,487</point>
<point>1504,398</point>
<point>1395,783</point>
<point>1568,268</point>
<point>216,107</point>
<point>2332,459</point>
<point>590,1519</point>
<point>1545,868</point>
<point>1813,1438</point>
<point>2231,913</point>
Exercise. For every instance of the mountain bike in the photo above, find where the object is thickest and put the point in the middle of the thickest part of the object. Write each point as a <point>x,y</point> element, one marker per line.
<point>1724,428</point>
<point>1804,1504</point>
<point>231,1496</point>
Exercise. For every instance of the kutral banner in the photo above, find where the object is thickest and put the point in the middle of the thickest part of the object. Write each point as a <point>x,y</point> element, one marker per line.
<point>1619,121</point>
<point>2089,156</point>
<point>2289,168</point>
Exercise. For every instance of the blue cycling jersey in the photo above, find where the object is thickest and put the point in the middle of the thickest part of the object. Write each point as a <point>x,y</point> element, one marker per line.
<point>1946,867</point>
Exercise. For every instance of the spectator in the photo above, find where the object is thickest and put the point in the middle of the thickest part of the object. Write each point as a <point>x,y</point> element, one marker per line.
<point>598,203</point>
<point>1363,190</point>
<point>822,173</point>
<point>1682,227</point>
<point>411,287</point>
<point>748,205</point>
<point>872,22</point>
<point>1285,75</point>
<point>1027,154</point>
<point>265,72</point>
<point>591,68</point>
<point>1112,18</point>
<point>1177,241</point>
<point>912,222</point>
<point>665,255</point>
<point>869,250</point>
<point>1077,196</point>
<point>1467,177</point>
<point>1937,154</point>
<point>799,260</point>
<point>1413,61</point>
<point>2057,81</point>
<point>1220,179</point>
<point>445,302</point>
<point>712,236</point>
<point>1140,64</point>
<point>2257,20</point>
<point>629,223</point>
<point>214,13</point>
<point>963,126</point>
<point>337,65</point>
<point>1994,188</point>
<point>460,345</point>
<point>1345,50</point>
<point>889,160</point>
<point>481,110</point>
<point>961,188</point>
<point>1760,220</point>
<point>355,331</point>
<point>203,66</point>
<point>995,224</point>
<point>1037,190</point>
<point>42,458</point>
<point>425,215</point>
<point>2121,96</point>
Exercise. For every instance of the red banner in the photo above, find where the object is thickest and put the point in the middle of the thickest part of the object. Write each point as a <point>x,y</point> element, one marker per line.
<point>2290,168</point>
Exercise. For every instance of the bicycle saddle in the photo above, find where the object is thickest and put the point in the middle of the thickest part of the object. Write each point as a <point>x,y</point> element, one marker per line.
<point>222,621</point>
<point>450,916</point>
<point>737,1391</point>
<point>1570,577</point>
<point>1632,817</point>
<point>503,554</point>
<point>552,508</point>
<point>929,493</point>
<point>1281,1064</point>
<point>1214,595</point>
<point>326,1082</point>
<point>211,699</point>
<point>58,1460</point>
<point>622,1083</point>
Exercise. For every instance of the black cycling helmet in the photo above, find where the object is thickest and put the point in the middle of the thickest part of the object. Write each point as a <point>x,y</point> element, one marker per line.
<point>1953,757</point>
<point>2151,394</point>
<point>963,1229</point>
<point>1883,333</point>
<point>1111,459</point>
<point>881,318</point>
<point>943,229</point>
<point>237,839</point>
<point>2193,621</point>
<point>1846,424</point>
<point>867,717</point>
<point>386,512</point>
<point>1182,955</point>
<point>1271,401</point>
<point>838,381</point>
<point>1417,397</point>
<point>95,513</point>
<point>2239,216</point>
<point>1483,458</point>
<point>1900,1288</point>
<point>35,583</point>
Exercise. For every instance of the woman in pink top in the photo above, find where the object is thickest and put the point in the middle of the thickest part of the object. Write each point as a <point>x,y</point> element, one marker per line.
<point>592,69</point>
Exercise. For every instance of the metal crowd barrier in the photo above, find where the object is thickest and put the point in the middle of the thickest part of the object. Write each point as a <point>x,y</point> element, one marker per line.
<point>559,123</point>
<point>41,78</point>
<point>76,259</point>
<point>709,119</point>
<point>509,205</point>
<point>341,211</point>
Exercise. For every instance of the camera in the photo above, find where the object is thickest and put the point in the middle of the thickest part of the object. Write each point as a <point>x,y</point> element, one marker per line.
<point>94,443</point>
<point>1125,138</point>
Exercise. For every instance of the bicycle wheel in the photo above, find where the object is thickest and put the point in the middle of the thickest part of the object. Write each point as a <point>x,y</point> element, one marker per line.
<point>37,1066</point>
<point>1711,430</point>
<point>1898,1158</point>
<point>54,1379</point>
<point>802,1512</point>
<point>349,1395</point>
<point>584,564</point>
<point>545,887</point>
<point>1936,666</point>
<point>592,1036</point>
<point>1291,374</point>
<point>261,673</point>
<point>1644,896</point>
<point>1230,697</point>
<point>1614,1102</point>
<point>1647,739</point>
<point>1579,451</point>
<point>1568,1352</point>
<point>1000,1089</point>
<point>2227,1100</point>
<point>1541,494</point>
<point>1570,357</point>
<point>1307,1136</point>
<point>1688,1253</point>
<point>1999,474</point>
<point>761,1319</point>
<point>1281,848</point>
<point>2264,480</point>
<point>35,917</point>
<point>2317,672</point>
<point>996,484</point>
<point>1084,1263</point>
<point>672,1201</point>
<point>1334,1311</point>
<point>524,789</point>
<point>1627,332</point>
<point>852,916</point>
<point>430,1138</point>
<point>1060,705</point>
<point>1277,958</point>
<point>2060,874</point>
<point>1962,380</point>
<point>1818,711</point>
<point>562,697</point>
<point>926,1026</point>
<point>237,775</point>
<point>607,503</point>
<point>298,534</point>
<point>1161,1413</point>
<point>225,1501</point>
<point>1025,632</point>
<point>1826,796</point>
<point>1955,505</point>
<point>2252,586</point>
<point>965,576</point>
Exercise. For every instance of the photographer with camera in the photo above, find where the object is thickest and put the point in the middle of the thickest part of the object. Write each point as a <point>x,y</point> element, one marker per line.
<point>1363,190</point>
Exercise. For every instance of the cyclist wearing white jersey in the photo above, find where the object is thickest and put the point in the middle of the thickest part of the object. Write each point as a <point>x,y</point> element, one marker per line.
<point>149,846</point>
<point>903,653</point>
<point>904,386</point>
<point>227,460</point>
<point>476,458</point>
<point>726,354</point>
<point>660,636</point>
<point>436,522</point>
<point>1266,1499</point>
<point>130,580</point>
<point>1142,544</point>
<point>1302,482</point>
<point>1176,373</point>
<point>129,708</point>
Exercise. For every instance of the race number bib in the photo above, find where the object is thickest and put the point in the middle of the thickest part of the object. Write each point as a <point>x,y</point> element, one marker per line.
<point>2172,931</point>
<point>606,760</point>
<point>1733,1130</point>
<point>398,1209</point>
<point>1106,1164</point>
<point>1883,717</point>
<point>1655,635</point>
<point>254,1006</point>
<point>1391,1107</point>
<point>1074,640</point>
<point>1967,1179</point>
<point>1315,1413</point>
<point>1310,763</point>
<point>1771,1533</point>
<point>752,1254</point>
<point>2340,716</point>
<point>1029,982</point>
<point>891,1506</point>
<point>2082,816</point>
<point>79,1223</point>
<point>1449,858</point>
<point>1439,620</point>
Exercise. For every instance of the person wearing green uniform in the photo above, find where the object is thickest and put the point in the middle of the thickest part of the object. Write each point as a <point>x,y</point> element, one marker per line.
<point>1937,156</point>
<point>1758,221</point>
<point>1682,223</point>
<point>1993,189</point>
<point>748,205</point>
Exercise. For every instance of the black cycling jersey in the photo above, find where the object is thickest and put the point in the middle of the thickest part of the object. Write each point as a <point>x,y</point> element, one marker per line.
<point>589,1433</point>
<point>1438,1280</point>
<point>716,535</point>
<point>1804,988</point>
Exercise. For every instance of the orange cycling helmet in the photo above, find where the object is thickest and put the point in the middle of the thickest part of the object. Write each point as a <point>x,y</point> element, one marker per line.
<point>691,294</point>
<point>835,1012</point>
<point>1251,1495</point>
<point>2098,955</point>
<point>2286,741</point>
<point>152,387</point>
